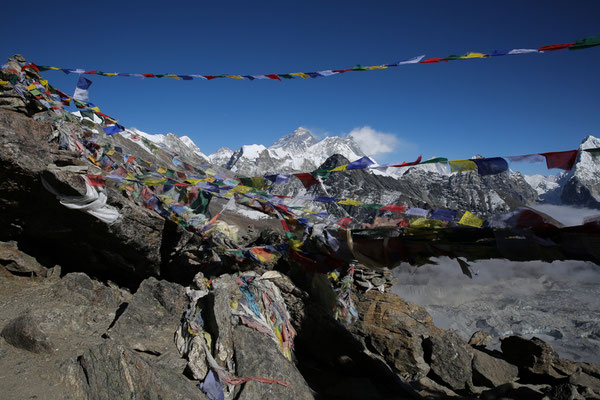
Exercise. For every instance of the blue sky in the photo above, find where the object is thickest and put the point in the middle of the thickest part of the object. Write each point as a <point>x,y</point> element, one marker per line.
<point>501,106</point>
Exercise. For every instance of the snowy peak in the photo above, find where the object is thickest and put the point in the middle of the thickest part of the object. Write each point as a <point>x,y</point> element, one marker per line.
<point>299,140</point>
<point>542,184</point>
<point>221,157</point>
<point>170,142</point>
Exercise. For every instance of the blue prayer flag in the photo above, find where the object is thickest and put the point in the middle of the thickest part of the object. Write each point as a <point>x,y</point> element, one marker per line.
<point>360,163</point>
<point>443,214</point>
<point>491,166</point>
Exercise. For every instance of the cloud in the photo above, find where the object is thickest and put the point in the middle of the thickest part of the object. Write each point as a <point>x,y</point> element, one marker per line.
<point>373,142</point>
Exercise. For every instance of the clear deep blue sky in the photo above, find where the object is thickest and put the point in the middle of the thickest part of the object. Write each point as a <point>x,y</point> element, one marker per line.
<point>500,106</point>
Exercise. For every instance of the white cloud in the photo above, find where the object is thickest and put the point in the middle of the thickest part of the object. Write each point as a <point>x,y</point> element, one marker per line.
<point>373,142</point>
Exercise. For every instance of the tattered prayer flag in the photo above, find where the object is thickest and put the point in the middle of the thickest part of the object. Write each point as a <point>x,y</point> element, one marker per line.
<point>561,159</point>
<point>361,163</point>
<point>531,158</point>
<point>470,219</point>
<point>112,129</point>
<point>435,160</point>
<point>394,208</point>
<point>326,199</point>
<point>181,175</point>
<point>279,179</point>
<point>554,47</point>
<point>96,180</point>
<point>585,43</point>
<point>241,189</point>
<point>129,159</point>
<point>300,74</point>
<point>462,165</point>
<point>200,205</point>
<point>443,214</point>
<point>307,179</point>
<point>340,168</point>
<point>491,166</point>
<point>417,212</point>
<point>81,90</point>
<point>344,222</point>
<point>273,76</point>
<point>262,255</point>
<point>161,170</point>
<point>408,164</point>
<point>474,55</point>
<point>350,202</point>
<point>110,152</point>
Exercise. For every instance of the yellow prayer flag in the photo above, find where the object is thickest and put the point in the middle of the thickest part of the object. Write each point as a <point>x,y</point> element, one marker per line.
<point>95,109</point>
<point>31,87</point>
<point>470,220</point>
<point>340,168</point>
<point>194,181</point>
<point>349,202</point>
<point>153,181</point>
<point>462,165</point>
<point>111,73</point>
<point>161,170</point>
<point>376,67</point>
<point>474,55</point>
<point>172,76</point>
<point>425,223</point>
<point>4,82</point>
<point>44,83</point>
<point>54,68</point>
<point>234,76</point>
<point>300,74</point>
<point>242,189</point>
<point>295,244</point>
<point>110,152</point>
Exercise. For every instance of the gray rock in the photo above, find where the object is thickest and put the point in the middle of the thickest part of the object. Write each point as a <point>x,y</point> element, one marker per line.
<point>491,371</point>
<point>480,339</point>
<point>450,360</point>
<point>586,380</point>
<point>151,318</point>
<point>565,391</point>
<point>535,357</point>
<point>15,260</point>
<point>518,391</point>
<point>24,332</point>
<point>257,355</point>
<point>112,371</point>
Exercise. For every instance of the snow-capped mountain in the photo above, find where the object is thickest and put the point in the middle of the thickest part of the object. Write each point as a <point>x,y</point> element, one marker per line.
<point>221,157</point>
<point>296,152</point>
<point>183,146</point>
<point>580,186</point>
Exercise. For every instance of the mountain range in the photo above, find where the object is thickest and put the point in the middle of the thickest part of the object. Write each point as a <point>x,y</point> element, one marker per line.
<point>424,185</point>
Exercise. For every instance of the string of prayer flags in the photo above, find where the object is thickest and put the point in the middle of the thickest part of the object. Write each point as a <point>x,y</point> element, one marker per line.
<point>579,44</point>
<point>561,159</point>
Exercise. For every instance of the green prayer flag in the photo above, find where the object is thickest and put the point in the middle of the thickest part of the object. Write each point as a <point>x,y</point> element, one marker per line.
<point>434,160</point>
<point>449,58</point>
<point>200,205</point>
<point>286,76</point>
<point>585,43</point>
<point>321,172</point>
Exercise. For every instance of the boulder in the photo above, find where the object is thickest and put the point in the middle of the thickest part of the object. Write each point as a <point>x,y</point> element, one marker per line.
<point>491,371</point>
<point>537,360</point>
<point>23,332</point>
<point>257,355</point>
<point>151,317</point>
<point>450,360</point>
<point>480,339</point>
<point>112,371</point>
<point>16,261</point>
<point>518,391</point>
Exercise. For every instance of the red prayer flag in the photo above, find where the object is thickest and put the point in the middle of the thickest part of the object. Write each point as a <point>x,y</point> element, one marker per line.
<point>432,60</point>
<point>273,76</point>
<point>92,72</point>
<point>561,159</point>
<point>341,71</point>
<point>149,75</point>
<point>394,208</point>
<point>554,47</point>
<point>209,77</point>
<point>307,179</point>
<point>130,159</point>
<point>181,175</point>
<point>405,164</point>
<point>343,222</point>
<point>96,180</point>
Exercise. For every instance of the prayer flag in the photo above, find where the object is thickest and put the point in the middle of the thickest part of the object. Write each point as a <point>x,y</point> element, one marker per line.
<point>96,180</point>
<point>307,179</point>
<point>361,163</point>
<point>273,76</point>
<point>531,158</point>
<point>300,74</point>
<point>350,202</point>
<point>443,215</point>
<point>497,53</point>
<point>470,220</point>
<point>491,166</point>
<point>474,55</point>
<point>585,43</point>
<point>462,165</point>
<point>554,47</point>
<point>279,179</point>
<point>417,212</point>
<point>344,222</point>
<point>435,160</point>
<point>326,199</point>
<point>561,159</point>
<point>522,51</point>
<point>340,168</point>
<point>112,129</point>
<point>431,60</point>
<point>414,60</point>
<point>394,208</point>
<point>81,90</point>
